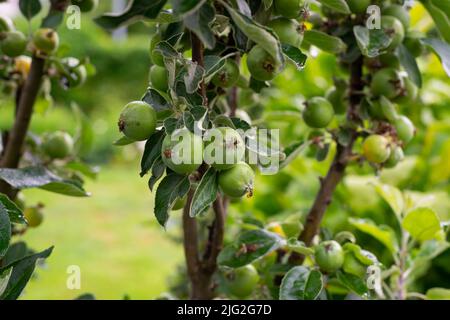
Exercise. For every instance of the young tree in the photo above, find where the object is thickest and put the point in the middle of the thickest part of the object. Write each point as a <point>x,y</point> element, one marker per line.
<point>29,66</point>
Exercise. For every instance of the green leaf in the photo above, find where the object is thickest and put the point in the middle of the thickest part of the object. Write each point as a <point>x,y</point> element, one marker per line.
<point>136,10</point>
<point>257,33</point>
<point>158,169</point>
<point>324,41</point>
<point>123,141</point>
<point>443,5</point>
<point>40,177</point>
<point>4,279</point>
<point>29,8</point>
<point>15,214</point>
<point>5,230</point>
<point>301,283</point>
<point>422,224</point>
<point>441,20</point>
<point>186,6</point>
<point>408,62</point>
<point>442,49</point>
<point>295,55</point>
<point>382,233</point>
<point>438,294</point>
<point>337,5</point>
<point>205,194</point>
<point>297,246</point>
<point>373,42</point>
<point>84,135</point>
<point>293,151</point>
<point>152,151</point>
<point>427,252</point>
<point>352,283</point>
<point>16,251</point>
<point>213,64</point>
<point>200,22</point>
<point>250,246</point>
<point>21,272</point>
<point>193,76</point>
<point>156,100</point>
<point>392,196</point>
<point>171,188</point>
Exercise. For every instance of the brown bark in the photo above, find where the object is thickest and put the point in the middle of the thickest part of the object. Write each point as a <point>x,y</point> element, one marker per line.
<point>337,169</point>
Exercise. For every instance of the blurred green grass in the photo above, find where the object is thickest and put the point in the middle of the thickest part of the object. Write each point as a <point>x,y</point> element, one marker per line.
<point>112,236</point>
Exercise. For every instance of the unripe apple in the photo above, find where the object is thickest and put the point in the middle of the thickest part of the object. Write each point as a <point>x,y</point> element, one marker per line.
<point>228,76</point>
<point>289,8</point>
<point>405,129</point>
<point>289,31</point>
<point>137,120</point>
<point>13,43</point>
<point>318,112</point>
<point>58,145</point>
<point>329,256</point>
<point>225,149</point>
<point>376,148</point>
<point>34,216</point>
<point>242,281</point>
<point>262,65</point>
<point>159,78</point>
<point>237,181</point>
<point>46,40</point>
<point>394,29</point>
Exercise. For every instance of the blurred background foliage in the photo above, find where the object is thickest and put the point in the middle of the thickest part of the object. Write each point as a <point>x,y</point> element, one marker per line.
<point>113,236</point>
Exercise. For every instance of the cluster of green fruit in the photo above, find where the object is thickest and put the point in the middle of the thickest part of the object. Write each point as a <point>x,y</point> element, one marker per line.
<point>44,43</point>
<point>330,256</point>
<point>138,120</point>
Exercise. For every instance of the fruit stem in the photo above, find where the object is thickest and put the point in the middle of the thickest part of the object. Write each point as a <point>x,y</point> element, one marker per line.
<point>338,166</point>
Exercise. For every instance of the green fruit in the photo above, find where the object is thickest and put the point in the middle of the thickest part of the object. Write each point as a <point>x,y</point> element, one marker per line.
<point>376,148</point>
<point>57,145</point>
<point>180,203</point>
<point>399,12</point>
<point>413,44</point>
<point>242,281</point>
<point>329,256</point>
<point>389,60</point>
<point>353,266</point>
<point>318,112</point>
<point>46,40</point>
<point>226,148</point>
<point>237,181</point>
<point>180,151</point>
<point>159,78</point>
<point>289,8</point>
<point>34,216</point>
<point>405,129</point>
<point>394,29</point>
<point>6,24</point>
<point>137,120</point>
<point>13,43</point>
<point>288,31</point>
<point>86,5</point>
<point>156,56</point>
<point>396,156</point>
<point>358,6</point>
<point>78,72</point>
<point>228,76</point>
<point>408,93</point>
<point>337,100</point>
<point>262,65</point>
<point>387,82</point>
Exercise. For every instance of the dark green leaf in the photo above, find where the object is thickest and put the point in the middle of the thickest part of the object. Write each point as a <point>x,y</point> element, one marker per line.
<point>29,8</point>
<point>171,124</point>
<point>295,55</point>
<point>408,62</point>
<point>171,188</point>
<point>5,230</point>
<point>250,246</point>
<point>137,9</point>
<point>257,33</point>
<point>21,273</point>
<point>322,153</point>
<point>442,49</point>
<point>301,283</point>
<point>257,85</point>
<point>152,151</point>
<point>15,214</point>
<point>324,41</point>
<point>158,169</point>
<point>205,194</point>
<point>193,75</point>
<point>382,233</point>
<point>40,177</point>
<point>213,64</point>
<point>186,6</point>
<point>373,42</point>
<point>156,100</point>
<point>337,5</point>
<point>352,283</point>
<point>200,22</point>
<point>16,251</point>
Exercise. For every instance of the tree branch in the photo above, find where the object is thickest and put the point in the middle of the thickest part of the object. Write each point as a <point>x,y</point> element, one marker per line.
<point>338,166</point>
